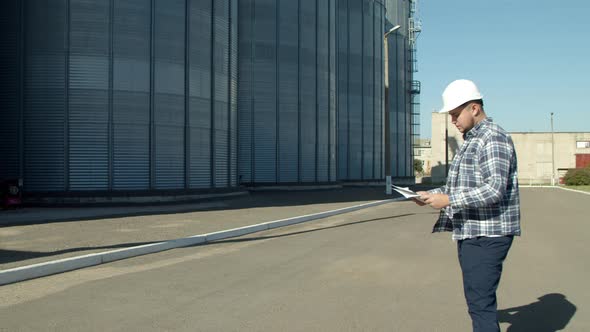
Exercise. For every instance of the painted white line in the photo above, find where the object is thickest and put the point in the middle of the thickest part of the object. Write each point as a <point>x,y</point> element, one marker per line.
<point>78,262</point>
<point>539,186</point>
<point>576,191</point>
<point>558,187</point>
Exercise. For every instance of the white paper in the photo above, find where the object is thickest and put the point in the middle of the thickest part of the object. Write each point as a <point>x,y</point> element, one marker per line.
<point>406,192</point>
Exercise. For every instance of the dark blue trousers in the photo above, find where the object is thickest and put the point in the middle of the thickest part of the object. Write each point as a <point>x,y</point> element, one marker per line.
<point>481,261</point>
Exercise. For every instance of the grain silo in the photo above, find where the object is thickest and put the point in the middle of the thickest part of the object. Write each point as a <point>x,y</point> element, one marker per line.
<point>119,96</point>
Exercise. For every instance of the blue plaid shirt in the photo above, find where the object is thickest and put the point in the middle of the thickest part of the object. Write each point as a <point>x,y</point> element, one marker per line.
<point>482,186</point>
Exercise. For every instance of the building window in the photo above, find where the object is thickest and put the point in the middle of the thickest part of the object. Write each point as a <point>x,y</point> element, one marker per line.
<point>583,144</point>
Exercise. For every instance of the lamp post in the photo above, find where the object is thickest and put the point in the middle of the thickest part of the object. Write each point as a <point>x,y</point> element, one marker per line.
<point>552,153</point>
<point>446,144</point>
<point>386,112</point>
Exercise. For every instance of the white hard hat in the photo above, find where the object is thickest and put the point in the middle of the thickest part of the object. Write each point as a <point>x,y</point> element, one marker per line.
<point>458,93</point>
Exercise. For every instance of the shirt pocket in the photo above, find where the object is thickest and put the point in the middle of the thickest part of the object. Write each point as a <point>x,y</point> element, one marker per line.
<point>468,162</point>
<point>469,173</point>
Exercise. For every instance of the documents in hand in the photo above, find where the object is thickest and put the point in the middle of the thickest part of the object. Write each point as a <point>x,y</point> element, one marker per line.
<point>406,192</point>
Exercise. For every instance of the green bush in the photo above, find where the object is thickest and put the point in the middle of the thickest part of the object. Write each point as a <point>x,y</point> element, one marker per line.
<point>418,166</point>
<point>577,177</point>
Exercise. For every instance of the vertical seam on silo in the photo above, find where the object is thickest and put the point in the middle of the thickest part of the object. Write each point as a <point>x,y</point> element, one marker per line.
<point>277,87</point>
<point>363,91</point>
<point>236,31</point>
<point>151,96</point>
<point>229,62</point>
<point>336,87</point>
<point>395,171</point>
<point>317,119</point>
<point>67,101</point>
<point>329,89</point>
<point>21,91</point>
<point>110,125</point>
<point>212,109</point>
<point>236,167</point>
<point>348,158</point>
<point>398,100</point>
<point>252,90</point>
<point>382,89</point>
<point>299,141</point>
<point>374,94</point>
<point>187,145</point>
<point>378,35</point>
<point>403,110</point>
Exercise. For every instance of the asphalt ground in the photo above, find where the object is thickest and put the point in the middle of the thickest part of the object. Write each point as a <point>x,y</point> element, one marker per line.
<point>377,269</point>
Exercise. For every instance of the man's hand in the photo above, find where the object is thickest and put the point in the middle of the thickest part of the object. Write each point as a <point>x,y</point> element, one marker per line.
<point>421,200</point>
<point>418,201</point>
<point>437,201</point>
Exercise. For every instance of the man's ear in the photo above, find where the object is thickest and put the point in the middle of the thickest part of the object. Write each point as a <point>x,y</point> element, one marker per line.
<point>476,109</point>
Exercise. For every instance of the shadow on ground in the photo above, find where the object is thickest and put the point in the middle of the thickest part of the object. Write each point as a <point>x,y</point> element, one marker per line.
<point>552,312</point>
<point>10,256</point>
<point>320,229</point>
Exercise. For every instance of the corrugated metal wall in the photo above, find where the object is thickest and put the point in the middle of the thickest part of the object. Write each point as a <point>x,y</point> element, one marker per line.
<point>360,89</point>
<point>121,95</point>
<point>131,95</point>
<point>88,83</point>
<point>287,91</point>
<point>10,91</point>
<point>45,89</point>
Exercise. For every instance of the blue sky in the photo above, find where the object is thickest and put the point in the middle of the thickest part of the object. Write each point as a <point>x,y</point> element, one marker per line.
<point>529,58</point>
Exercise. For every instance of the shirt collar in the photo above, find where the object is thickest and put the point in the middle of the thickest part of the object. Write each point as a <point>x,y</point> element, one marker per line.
<point>482,124</point>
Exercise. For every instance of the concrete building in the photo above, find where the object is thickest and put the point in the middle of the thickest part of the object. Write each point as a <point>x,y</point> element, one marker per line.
<point>534,150</point>
<point>536,161</point>
<point>423,154</point>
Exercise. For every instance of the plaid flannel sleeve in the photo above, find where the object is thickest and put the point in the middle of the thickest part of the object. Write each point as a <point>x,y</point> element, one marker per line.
<point>440,190</point>
<point>494,162</point>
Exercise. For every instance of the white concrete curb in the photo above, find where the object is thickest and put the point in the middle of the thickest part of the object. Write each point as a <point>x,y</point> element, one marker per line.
<point>78,262</point>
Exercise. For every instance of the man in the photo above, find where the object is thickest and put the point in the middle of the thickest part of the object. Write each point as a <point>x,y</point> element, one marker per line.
<point>480,202</point>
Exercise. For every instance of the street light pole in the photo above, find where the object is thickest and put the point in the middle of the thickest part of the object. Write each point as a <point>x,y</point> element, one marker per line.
<point>386,112</point>
<point>446,144</point>
<point>552,153</point>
